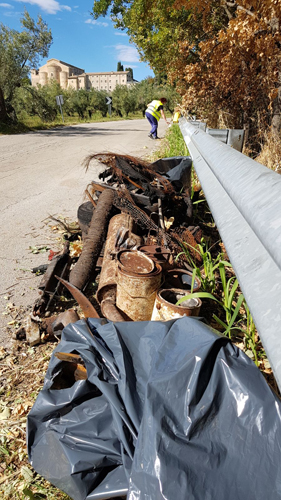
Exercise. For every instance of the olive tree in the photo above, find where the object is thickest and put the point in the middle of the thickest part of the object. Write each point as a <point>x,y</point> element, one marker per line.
<point>19,52</point>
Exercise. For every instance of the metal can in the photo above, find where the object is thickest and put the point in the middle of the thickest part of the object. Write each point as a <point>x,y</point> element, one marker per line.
<point>165,307</point>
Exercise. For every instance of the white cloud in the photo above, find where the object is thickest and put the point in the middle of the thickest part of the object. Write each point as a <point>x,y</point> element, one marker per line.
<point>120,34</point>
<point>6,5</point>
<point>97,23</point>
<point>12,13</point>
<point>126,53</point>
<point>49,6</point>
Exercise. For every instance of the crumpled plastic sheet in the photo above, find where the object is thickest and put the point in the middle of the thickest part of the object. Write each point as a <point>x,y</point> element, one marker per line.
<point>170,411</point>
<point>177,169</point>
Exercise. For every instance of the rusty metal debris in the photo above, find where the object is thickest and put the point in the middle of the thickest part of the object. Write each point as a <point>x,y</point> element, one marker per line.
<point>93,242</point>
<point>165,307</point>
<point>121,224</point>
<point>87,308</point>
<point>75,364</point>
<point>181,279</point>
<point>137,221</point>
<point>50,287</point>
<point>136,291</point>
<point>54,325</point>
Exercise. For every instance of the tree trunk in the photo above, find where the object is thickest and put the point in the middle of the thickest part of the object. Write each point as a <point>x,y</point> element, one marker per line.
<point>246,127</point>
<point>276,105</point>
<point>276,114</point>
<point>3,111</point>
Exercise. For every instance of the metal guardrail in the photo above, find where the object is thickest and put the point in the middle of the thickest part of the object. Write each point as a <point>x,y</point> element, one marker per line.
<point>244,197</point>
<point>232,137</point>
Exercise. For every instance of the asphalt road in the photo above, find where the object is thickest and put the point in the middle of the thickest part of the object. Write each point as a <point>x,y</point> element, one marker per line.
<point>42,174</point>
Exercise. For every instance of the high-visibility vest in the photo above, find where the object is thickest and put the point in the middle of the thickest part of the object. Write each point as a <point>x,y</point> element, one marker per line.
<point>152,109</point>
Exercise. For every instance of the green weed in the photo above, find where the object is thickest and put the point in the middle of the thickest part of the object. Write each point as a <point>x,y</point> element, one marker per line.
<point>206,273</point>
<point>250,334</point>
<point>229,287</point>
<point>174,144</point>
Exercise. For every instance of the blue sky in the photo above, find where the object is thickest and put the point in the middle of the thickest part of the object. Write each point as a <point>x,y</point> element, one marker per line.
<point>77,38</point>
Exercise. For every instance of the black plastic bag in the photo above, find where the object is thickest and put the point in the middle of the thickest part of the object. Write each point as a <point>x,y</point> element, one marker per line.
<point>177,169</point>
<point>170,410</point>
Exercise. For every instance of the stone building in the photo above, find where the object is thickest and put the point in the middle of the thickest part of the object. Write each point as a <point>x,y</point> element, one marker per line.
<point>69,76</point>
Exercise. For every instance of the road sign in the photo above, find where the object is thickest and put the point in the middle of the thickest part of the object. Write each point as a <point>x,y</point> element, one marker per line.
<point>59,100</point>
<point>108,100</point>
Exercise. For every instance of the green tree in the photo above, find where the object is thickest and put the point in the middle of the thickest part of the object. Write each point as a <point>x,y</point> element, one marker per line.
<point>120,66</point>
<point>40,101</point>
<point>19,52</point>
<point>123,100</point>
<point>223,56</point>
<point>98,101</point>
<point>79,102</point>
<point>130,72</point>
<point>156,28</point>
<point>147,90</point>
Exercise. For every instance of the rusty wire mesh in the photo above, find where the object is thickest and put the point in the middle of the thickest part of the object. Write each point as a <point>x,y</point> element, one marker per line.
<point>176,239</point>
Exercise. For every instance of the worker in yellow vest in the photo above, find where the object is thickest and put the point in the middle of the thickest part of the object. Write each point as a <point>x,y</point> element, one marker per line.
<point>153,113</point>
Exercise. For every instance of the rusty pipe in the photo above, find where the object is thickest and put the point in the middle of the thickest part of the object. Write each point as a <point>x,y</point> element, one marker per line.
<point>111,312</point>
<point>94,240</point>
<point>107,281</point>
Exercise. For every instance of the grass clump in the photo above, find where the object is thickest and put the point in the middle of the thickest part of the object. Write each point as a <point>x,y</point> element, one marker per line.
<point>173,143</point>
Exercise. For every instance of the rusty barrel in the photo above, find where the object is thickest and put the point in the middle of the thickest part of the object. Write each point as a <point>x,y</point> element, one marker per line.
<point>138,280</point>
<point>165,307</point>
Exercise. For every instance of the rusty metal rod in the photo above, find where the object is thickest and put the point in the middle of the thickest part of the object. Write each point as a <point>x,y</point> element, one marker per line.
<point>90,198</point>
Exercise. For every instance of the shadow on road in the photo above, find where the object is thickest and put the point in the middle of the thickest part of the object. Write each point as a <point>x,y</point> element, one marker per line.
<point>75,131</point>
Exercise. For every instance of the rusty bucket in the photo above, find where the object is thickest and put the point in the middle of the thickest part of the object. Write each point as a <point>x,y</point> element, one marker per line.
<point>136,292</point>
<point>165,307</point>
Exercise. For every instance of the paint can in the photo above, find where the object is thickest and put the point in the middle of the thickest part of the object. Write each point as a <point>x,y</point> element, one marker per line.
<point>165,307</point>
<point>135,262</point>
<point>136,291</point>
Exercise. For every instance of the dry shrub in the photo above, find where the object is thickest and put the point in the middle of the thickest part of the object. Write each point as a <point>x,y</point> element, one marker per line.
<point>270,154</point>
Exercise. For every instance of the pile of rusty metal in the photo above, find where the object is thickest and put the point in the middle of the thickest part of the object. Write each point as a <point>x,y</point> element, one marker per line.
<point>134,228</point>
